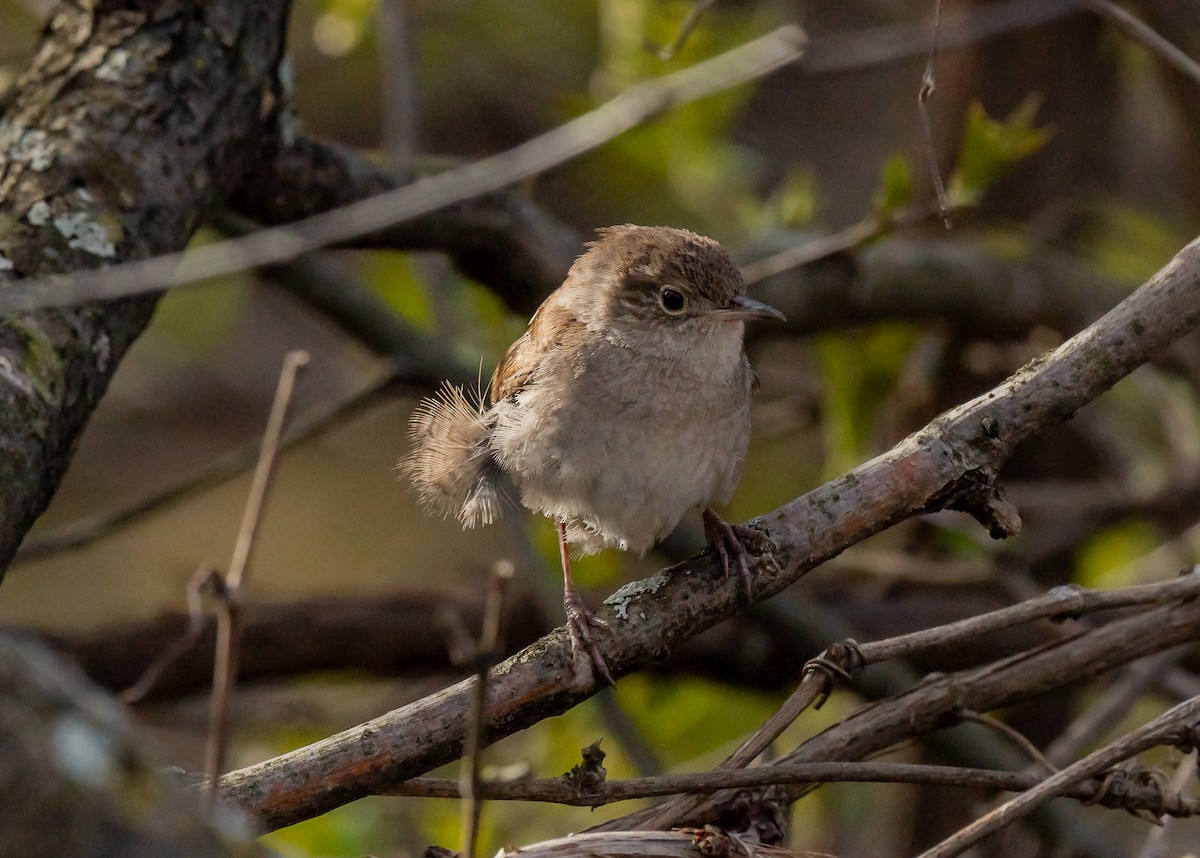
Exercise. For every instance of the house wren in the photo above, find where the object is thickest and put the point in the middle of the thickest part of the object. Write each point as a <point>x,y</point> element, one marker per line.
<point>624,406</point>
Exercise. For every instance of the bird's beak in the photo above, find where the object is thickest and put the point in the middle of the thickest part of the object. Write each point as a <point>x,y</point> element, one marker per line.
<point>746,309</point>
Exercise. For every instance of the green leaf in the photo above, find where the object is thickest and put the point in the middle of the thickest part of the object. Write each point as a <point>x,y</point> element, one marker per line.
<point>991,147</point>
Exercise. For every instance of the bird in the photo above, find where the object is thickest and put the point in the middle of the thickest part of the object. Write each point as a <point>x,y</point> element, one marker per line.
<point>623,407</point>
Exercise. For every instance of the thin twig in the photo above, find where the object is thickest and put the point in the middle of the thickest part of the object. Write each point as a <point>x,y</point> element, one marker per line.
<point>1112,706</point>
<point>476,738</point>
<point>928,87</point>
<point>1066,601</point>
<point>278,244</point>
<point>398,82</point>
<point>561,791</point>
<point>1012,734</point>
<point>1144,34</point>
<point>1177,724</point>
<point>842,241</point>
<point>205,579</point>
<point>85,531</point>
<point>229,601</point>
<point>813,686</point>
<point>670,51</point>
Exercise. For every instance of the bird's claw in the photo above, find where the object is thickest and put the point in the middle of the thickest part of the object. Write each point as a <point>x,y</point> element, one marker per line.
<point>580,622</point>
<point>730,541</point>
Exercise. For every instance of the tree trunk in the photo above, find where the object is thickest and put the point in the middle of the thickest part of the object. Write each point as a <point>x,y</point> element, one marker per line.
<point>134,119</point>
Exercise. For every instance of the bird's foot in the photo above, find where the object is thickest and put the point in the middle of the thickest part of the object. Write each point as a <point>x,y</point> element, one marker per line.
<point>580,622</point>
<point>728,541</point>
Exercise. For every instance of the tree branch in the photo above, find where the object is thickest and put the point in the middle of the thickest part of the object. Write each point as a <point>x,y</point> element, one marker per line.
<point>936,702</point>
<point>362,217</point>
<point>952,463</point>
<point>502,239</point>
<point>561,790</point>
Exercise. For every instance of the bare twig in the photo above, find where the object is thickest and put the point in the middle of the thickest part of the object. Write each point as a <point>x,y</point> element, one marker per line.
<point>279,244</point>
<point>559,791</point>
<point>398,81</point>
<point>669,52</point>
<point>1012,734</point>
<point>1113,705</point>
<point>85,531</point>
<point>1144,34</point>
<point>1176,725</point>
<point>229,601</point>
<point>812,688</point>
<point>484,657</point>
<point>928,86</point>
<point>1069,600</point>
<point>841,241</point>
<point>793,257</point>
<point>205,579</point>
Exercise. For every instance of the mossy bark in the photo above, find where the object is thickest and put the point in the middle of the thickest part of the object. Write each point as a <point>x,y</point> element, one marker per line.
<point>133,120</point>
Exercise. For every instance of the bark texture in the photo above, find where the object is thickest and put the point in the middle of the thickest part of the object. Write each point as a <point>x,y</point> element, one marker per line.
<point>74,779</point>
<point>133,120</point>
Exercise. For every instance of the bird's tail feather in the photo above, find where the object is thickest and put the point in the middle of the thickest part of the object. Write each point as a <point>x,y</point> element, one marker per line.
<point>451,464</point>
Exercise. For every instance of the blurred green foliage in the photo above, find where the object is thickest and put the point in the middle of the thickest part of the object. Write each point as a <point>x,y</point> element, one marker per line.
<point>896,186</point>
<point>1105,557</point>
<point>200,318</point>
<point>792,204</point>
<point>1128,241</point>
<point>859,372</point>
<point>396,279</point>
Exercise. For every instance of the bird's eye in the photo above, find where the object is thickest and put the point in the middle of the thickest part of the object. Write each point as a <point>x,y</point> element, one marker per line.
<point>672,300</point>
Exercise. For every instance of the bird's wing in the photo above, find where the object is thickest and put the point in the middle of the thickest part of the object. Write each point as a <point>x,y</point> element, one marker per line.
<point>552,327</point>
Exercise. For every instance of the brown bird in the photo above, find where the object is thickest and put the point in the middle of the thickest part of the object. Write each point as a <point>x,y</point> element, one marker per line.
<point>624,406</point>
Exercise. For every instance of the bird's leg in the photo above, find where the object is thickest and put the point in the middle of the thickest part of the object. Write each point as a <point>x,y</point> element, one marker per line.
<point>579,619</point>
<point>726,539</point>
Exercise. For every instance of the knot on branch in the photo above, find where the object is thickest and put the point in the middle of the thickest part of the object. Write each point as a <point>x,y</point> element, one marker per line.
<point>840,661</point>
<point>588,775</point>
<point>1187,737</point>
<point>1120,783</point>
<point>757,816</point>
<point>713,842</point>
<point>978,494</point>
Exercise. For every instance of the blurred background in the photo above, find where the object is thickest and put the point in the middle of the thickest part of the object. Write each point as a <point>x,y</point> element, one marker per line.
<point>1070,153</point>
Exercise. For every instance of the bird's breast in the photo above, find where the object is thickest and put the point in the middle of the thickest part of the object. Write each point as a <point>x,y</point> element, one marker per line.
<point>621,445</point>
